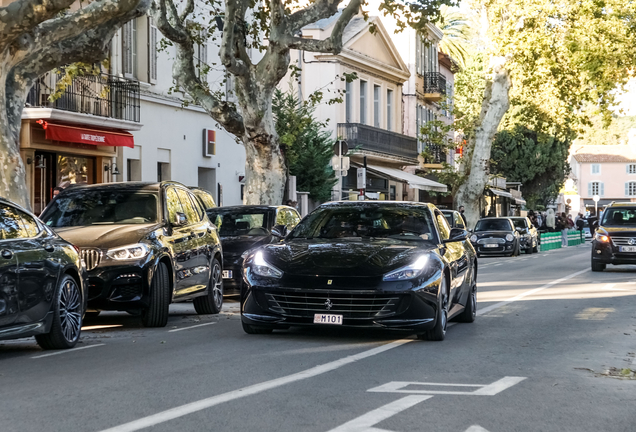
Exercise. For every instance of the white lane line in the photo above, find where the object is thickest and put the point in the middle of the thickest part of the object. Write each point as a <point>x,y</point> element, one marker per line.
<point>191,327</point>
<point>67,351</point>
<point>527,293</point>
<point>365,422</point>
<point>202,404</point>
<point>476,428</point>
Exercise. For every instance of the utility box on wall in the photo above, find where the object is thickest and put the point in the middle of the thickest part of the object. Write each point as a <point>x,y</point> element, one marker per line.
<point>209,143</point>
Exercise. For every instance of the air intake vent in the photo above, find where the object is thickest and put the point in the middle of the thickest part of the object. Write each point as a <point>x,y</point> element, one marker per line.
<point>91,257</point>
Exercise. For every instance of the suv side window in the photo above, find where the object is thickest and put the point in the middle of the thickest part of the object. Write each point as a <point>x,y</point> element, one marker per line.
<point>198,205</point>
<point>174,205</point>
<point>11,226</point>
<point>188,207</point>
<point>442,224</point>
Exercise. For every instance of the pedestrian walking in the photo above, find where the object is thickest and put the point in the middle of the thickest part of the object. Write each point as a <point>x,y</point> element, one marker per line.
<point>461,213</point>
<point>563,225</point>
<point>580,223</point>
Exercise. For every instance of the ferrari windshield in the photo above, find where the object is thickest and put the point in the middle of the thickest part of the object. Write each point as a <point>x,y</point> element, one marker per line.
<point>376,221</point>
<point>620,216</point>
<point>101,207</point>
<point>241,222</point>
<point>493,225</point>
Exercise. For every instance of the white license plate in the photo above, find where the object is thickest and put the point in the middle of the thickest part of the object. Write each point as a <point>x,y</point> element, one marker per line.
<point>491,245</point>
<point>327,319</point>
<point>227,274</point>
<point>628,248</point>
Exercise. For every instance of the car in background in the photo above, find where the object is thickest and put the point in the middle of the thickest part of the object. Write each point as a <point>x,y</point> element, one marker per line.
<point>454,218</point>
<point>247,226</point>
<point>383,264</point>
<point>206,198</point>
<point>495,236</point>
<point>42,282</point>
<point>586,229</point>
<point>528,234</point>
<point>615,238</point>
<point>145,246</point>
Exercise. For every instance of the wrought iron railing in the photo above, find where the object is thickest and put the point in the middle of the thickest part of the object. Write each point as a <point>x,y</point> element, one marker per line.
<point>434,82</point>
<point>101,95</point>
<point>377,140</point>
<point>435,153</point>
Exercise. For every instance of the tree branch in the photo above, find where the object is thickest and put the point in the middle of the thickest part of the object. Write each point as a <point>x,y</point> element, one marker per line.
<point>333,44</point>
<point>318,10</point>
<point>175,32</point>
<point>23,15</point>
<point>187,11</point>
<point>233,57</point>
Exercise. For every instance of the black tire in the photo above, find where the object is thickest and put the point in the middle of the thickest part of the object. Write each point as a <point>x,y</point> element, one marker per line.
<point>470,311</point>
<point>438,333</point>
<point>250,329</point>
<point>156,315</point>
<point>92,314</point>
<point>598,267</point>
<point>212,302</point>
<point>67,317</point>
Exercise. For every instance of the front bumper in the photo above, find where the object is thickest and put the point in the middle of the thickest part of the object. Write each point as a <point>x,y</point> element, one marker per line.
<point>119,287</point>
<point>502,248</point>
<point>608,253</point>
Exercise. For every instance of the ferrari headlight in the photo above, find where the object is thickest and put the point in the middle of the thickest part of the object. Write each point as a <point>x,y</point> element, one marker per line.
<point>131,252</point>
<point>263,268</point>
<point>407,272</point>
<point>510,237</point>
<point>473,238</point>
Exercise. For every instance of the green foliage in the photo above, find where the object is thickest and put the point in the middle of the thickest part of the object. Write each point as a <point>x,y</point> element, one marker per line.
<point>308,148</point>
<point>457,34</point>
<point>537,160</point>
<point>72,71</point>
<point>599,133</point>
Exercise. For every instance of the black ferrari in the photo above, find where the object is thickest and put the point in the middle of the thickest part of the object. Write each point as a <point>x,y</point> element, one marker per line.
<point>393,265</point>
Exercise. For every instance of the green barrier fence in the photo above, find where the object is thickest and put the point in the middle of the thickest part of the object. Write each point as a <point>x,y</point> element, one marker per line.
<point>552,240</point>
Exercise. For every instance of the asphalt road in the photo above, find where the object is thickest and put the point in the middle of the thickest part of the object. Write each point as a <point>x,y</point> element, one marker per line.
<point>534,360</point>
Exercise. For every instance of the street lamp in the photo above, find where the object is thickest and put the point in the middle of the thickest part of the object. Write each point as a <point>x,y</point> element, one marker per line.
<point>596,198</point>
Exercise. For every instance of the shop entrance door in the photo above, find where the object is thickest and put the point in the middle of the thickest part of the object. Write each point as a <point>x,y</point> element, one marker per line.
<point>43,180</point>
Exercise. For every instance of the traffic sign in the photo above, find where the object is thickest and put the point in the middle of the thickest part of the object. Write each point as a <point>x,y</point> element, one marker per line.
<point>340,148</point>
<point>596,198</point>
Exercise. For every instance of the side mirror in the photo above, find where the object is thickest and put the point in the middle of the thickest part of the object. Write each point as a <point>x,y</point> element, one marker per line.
<point>457,235</point>
<point>181,220</point>
<point>279,231</point>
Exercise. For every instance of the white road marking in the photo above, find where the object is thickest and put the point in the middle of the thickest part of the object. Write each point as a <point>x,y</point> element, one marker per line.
<point>202,404</point>
<point>191,327</point>
<point>482,390</point>
<point>365,422</point>
<point>67,351</point>
<point>527,293</point>
<point>476,428</point>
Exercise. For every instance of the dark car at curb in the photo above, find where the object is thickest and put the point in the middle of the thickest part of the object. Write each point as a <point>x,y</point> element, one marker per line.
<point>391,265</point>
<point>614,240</point>
<point>528,234</point>
<point>495,236</point>
<point>145,246</point>
<point>42,282</point>
<point>244,227</point>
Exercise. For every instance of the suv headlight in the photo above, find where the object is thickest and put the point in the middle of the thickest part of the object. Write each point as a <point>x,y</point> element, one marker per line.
<point>131,252</point>
<point>262,268</point>
<point>510,237</point>
<point>407,272</point>
<point>601,238</point>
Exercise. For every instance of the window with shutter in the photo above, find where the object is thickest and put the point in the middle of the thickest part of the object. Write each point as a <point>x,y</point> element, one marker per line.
<point>589,189</point>
<point>631,169</point>
<point>602,189</point>
<point>126,48</point>
<point>152,51</point>
<point>202,58</point>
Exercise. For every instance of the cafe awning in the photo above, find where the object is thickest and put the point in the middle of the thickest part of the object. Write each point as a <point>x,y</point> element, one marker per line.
<point>74,134</point>
<point>414,181</point>
<point>500,192</point>
<point>520,201</point>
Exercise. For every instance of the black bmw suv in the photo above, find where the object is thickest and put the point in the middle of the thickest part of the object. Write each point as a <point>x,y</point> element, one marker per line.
<point>145,245</point>
<point>614,241</point>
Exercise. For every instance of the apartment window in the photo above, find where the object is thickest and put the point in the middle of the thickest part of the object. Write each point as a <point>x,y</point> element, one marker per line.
<point>153,34</point>
<point>389,110</point>
<point>348,102</point>
<point>392,194</point>
<point>133,170</point>
<point>596,168</point>
<point>425,56</point>
<point>376,106</point>
<point>630,188</point>
<point>595,188</point>
<point>129,48</point>
<point>631,168</point>
<point>163,171</point>
<point>363,102</point>
<point>201,60</point>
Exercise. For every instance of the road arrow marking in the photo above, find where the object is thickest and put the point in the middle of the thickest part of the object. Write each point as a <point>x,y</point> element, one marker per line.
<point>365,422</point>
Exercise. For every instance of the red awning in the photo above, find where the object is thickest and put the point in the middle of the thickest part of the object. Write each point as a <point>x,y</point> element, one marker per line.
<point>57,132</point>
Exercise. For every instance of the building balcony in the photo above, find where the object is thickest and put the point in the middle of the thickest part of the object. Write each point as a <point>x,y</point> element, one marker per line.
<point>99,95</point>
<point>369,138</point>
<point>434,156</point>
<point>432,85</point>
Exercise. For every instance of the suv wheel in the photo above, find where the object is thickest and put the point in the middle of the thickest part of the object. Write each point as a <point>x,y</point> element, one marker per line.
<point>597,267</point>
<point>156,315</point>
<point>212,302</point>
<point>67,317</point>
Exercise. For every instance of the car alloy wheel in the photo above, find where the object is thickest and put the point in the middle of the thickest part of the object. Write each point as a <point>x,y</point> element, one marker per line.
<point>438,333</point>
<point>212,302</point>
<point>67,317</point>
